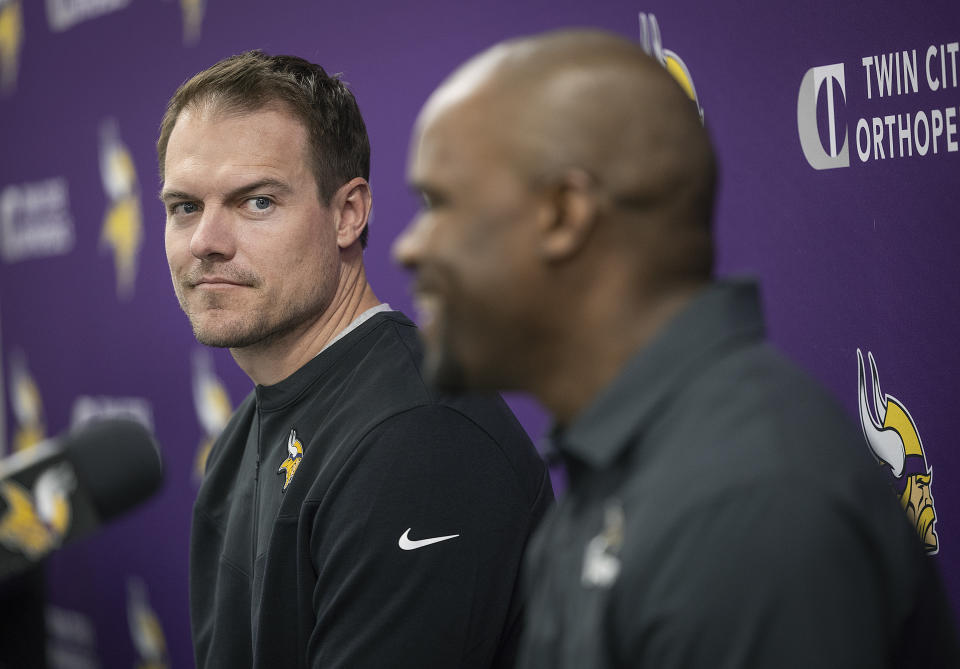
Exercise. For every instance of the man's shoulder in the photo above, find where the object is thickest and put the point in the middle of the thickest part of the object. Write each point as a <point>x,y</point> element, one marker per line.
<point>381,376</point>
<point>760,412</point>
<point>753,426</point>
<point>383,358</point>
<point>483,421</point>
<point>433,456</point>
<point>375,401</point>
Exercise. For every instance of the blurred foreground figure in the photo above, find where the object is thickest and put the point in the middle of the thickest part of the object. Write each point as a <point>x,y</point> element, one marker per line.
<point>350,516</point>
<point>722,510</point>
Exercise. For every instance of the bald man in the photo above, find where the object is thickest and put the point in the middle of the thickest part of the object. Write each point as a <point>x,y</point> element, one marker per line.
<point>722,511</point>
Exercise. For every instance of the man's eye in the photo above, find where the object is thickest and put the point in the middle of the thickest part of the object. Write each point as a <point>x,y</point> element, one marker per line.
<point>184,208</point>
<point>430,202</point>
<point>259,203</point>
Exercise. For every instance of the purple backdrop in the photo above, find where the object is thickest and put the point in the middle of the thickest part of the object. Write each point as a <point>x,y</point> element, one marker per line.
<point>856,255</point>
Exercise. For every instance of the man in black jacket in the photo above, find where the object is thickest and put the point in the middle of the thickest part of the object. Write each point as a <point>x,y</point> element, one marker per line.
<point>350,516</point>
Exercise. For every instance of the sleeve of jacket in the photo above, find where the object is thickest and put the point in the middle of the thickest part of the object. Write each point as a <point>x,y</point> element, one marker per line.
<point>418,544</point>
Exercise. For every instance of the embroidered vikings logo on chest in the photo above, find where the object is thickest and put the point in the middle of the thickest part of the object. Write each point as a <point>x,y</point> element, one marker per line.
<point>294,456</point>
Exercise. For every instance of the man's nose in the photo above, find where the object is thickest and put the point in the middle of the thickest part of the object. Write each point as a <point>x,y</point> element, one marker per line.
<point>408,246</point>
<point>214,234</point>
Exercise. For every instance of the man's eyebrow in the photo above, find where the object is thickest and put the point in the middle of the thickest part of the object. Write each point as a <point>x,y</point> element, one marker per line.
<point>274,185</point>
<point>167,195</point>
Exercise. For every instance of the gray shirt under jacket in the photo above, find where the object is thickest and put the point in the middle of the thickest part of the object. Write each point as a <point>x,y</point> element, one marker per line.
<point>724,512</point>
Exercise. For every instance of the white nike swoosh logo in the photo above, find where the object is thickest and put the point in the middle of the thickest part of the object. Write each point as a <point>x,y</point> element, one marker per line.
<point>408,544</point>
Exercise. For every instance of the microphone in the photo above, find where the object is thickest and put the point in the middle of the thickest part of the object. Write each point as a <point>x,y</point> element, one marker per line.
<point>65,488</point>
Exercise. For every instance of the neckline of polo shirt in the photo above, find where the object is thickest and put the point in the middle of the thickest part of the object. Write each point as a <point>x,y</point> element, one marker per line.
<point>724,313</point>
<point>283,394</point>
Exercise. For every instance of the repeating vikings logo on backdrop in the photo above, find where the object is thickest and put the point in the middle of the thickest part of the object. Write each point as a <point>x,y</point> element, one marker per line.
<point>894,440</point>
<point>11,41</point>
<point>122,231</point>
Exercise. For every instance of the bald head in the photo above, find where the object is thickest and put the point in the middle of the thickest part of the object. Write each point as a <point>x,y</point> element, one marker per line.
<point>595,102</point>
<point>567,184</point>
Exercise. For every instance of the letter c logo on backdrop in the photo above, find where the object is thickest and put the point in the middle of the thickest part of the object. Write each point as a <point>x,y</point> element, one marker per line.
<point>807,126</point>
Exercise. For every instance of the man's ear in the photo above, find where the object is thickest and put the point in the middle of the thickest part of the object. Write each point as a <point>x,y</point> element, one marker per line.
<point>352,201</point>
<point>570,215</point>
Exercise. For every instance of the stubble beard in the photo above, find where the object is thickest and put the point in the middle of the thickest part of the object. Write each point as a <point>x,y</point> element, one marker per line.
<point>261,328</point>
<point>250,332</point>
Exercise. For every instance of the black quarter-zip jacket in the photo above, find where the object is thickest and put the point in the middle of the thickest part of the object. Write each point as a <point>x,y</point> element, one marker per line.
<point>337,570</point>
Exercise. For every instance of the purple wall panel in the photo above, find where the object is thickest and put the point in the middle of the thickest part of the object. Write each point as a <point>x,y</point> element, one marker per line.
<point>862,256</point>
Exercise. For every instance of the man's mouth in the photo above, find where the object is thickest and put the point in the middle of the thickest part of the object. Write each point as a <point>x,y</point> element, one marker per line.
<point>215,281</point>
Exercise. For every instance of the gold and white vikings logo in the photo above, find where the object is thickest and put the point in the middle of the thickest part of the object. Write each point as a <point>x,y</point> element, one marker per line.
<point>27,405</point>
<point>294,456</point>
<point>145,629</point>
<point>122,229</point>
<point>34,523</point>
<point>193,11</point>
<point>601,557</point>
<point>894,440</point>
<point>11,41</point>
<point>651,43</point>
<point>212,403</point>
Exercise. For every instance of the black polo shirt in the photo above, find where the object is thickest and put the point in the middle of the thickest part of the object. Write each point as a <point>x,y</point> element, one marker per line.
<point>724,512</point>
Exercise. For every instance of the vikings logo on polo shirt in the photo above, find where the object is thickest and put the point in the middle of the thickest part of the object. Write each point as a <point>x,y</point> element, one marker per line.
<point>895,442</point>
<point>294,456</point>
<point>601,557</point>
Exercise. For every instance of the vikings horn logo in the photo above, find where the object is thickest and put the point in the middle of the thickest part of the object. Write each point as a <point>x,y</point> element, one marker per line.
<point>123,224</point>
<point>36,524</point>
<point>893,439</point>
<point>294,456</point>
<point>212,403</point>
<point>11,41</point>
<point>27,405</point>
<point>145,628</point>
<point>192,11</point>
<point>651,43</point>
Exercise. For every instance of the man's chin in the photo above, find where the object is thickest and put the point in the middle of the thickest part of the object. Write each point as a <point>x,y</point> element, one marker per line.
<point>218,337</point>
